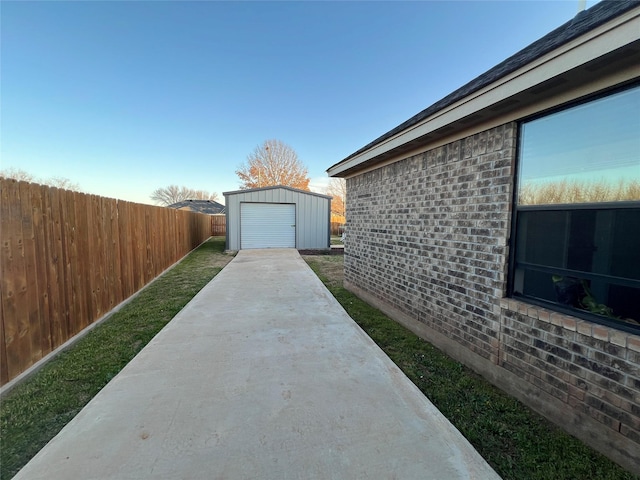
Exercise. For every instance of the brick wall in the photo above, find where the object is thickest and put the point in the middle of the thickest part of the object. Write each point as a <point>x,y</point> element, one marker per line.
<point>593,369</point>
<point>428,235</point>
<point>427,241</point>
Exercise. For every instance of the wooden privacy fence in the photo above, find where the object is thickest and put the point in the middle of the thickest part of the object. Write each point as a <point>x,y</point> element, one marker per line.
<point>68,258</point>
<point>218,225</point>
<point>337,228</point>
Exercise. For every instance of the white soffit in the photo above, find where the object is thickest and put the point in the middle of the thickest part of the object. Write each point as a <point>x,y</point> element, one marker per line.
<point>602,40</point>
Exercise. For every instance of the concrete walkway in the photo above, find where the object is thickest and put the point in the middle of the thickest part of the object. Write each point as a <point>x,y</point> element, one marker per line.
<point>262,375</point>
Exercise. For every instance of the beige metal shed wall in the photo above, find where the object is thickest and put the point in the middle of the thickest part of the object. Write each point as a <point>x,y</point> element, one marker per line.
<point>312,215</point>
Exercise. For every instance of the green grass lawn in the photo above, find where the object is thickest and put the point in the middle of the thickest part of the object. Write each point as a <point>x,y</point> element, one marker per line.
<point>336,240</point>
<point>35,410</point>
<point>517,442</point>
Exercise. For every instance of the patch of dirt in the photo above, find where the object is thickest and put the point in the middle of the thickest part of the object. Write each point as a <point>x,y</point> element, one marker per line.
<point>219,260</point>
<point>330,266</point>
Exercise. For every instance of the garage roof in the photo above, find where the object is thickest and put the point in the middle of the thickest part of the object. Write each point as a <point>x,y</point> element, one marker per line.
<point>234,192</point>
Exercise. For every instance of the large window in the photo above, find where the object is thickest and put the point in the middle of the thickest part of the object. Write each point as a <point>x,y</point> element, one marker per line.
<point>577,216</point>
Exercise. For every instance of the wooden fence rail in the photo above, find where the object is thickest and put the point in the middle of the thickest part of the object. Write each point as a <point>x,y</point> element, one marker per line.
<point>68,258</point>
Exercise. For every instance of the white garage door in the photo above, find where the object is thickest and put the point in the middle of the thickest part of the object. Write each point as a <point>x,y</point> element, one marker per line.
<point>267,225</point>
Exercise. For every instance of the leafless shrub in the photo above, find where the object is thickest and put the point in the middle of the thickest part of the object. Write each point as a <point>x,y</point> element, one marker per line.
<point>579,191</point>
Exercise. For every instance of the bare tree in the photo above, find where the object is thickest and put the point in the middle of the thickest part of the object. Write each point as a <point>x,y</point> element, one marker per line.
<point>273,163</point>
<point>17,174</point>
<point>204,195</point>
<point>579,191</point>
<point>24,176</point>
<point>338,190</point>
<point>174,194</point>
<point>62,182</point>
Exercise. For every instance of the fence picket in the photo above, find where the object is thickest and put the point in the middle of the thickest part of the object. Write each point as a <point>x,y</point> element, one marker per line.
<point>40,249</point>
<point>52,272</point>
<point>31,282</point>
<point>64,265</point>
<point>84,264</point>
<point>118,294</point>
<point>126,255</point>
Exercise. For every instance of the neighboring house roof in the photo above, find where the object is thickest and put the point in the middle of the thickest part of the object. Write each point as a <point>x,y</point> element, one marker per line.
<point>235,192</point>
<point>209,207</point>
<point>583,23</point>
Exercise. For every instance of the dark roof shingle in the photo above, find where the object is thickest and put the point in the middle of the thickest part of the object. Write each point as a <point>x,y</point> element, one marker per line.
<point>209,207</point>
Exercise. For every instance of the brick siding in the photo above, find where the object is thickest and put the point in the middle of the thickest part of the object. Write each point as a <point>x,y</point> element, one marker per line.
<point>428,237</point>
<point>592,368</point>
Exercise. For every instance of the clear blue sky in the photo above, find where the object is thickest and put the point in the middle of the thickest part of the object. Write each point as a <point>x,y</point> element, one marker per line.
<point>125,97</point>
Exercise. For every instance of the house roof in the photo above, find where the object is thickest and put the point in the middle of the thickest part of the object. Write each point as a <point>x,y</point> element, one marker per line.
<point>209,207</point>
<point>582,23</point>
<point>235,192</point>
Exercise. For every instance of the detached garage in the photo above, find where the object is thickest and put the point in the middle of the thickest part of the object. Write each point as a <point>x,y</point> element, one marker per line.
<point>277,217</point>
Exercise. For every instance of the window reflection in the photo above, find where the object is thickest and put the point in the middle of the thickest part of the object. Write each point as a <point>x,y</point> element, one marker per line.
<point>572,251</point>
<point>588,153</point>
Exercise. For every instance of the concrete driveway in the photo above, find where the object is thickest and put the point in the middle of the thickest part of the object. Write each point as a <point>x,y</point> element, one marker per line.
<point>262,375</point>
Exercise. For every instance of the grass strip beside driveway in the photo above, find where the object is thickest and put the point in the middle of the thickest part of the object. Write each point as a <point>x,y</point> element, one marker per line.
<point>35,410</point>
<point>517,442</point>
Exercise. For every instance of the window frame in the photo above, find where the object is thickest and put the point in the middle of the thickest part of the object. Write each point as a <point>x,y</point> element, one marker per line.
<point>516,209</point>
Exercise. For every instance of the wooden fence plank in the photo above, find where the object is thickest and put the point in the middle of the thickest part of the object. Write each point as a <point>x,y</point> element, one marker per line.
<point>38,219</point>
<point>91,296</point>
<point>16,349</point>
<point>109,273</point>
<point>32,305</point>
<point>101,270</point>
<point>148,236</point>
<point>163,243</point>
<point>135,247</point>
<point>84,263</point>
<point>64,265</point>
<point>115,291</point>
<point>142,246</point>
<point>170,229</point>
<point>74,264</point>
<point>52,278</point>
<point>93,219</point>
<point>7,278</point>
<point>159,244</point>
<point>126,246</point>
<point>22,297</point>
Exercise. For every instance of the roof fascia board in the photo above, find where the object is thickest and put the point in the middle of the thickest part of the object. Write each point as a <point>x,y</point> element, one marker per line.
<point>600,41</point>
